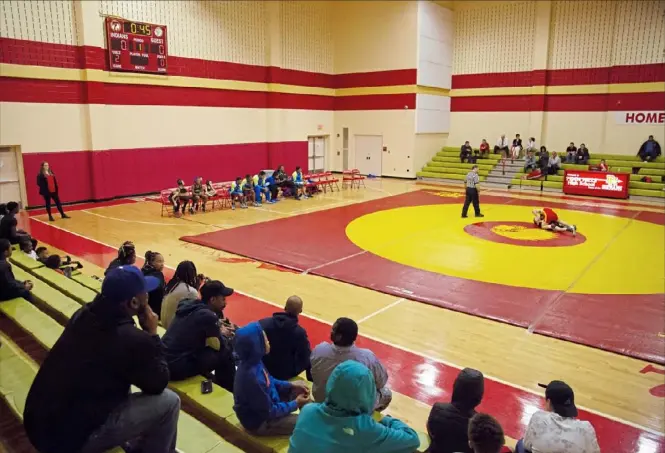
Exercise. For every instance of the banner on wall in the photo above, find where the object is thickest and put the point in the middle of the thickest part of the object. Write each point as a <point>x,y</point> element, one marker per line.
<point>596,184</point>
<point>640,117</point>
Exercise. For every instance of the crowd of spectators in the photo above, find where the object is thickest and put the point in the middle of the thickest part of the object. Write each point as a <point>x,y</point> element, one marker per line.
<point>81,399</point>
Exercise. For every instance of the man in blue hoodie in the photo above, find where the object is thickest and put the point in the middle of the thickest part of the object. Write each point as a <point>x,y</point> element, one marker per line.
<point>197,341</point>
<point>263,404</point>
<point>344,423</point>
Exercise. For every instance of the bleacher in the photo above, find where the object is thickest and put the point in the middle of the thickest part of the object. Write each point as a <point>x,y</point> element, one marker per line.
<point>621,164</point>
<point>211,425</point>
<point>446,165</point>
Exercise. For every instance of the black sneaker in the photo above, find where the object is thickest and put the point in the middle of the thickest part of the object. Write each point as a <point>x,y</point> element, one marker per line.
<point>480,215</point>
<point>465,216</point>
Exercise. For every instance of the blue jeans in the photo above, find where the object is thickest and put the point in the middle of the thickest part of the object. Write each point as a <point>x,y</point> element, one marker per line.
<point>147,421</point>
<point>258,190</point>
<point>519,447</point>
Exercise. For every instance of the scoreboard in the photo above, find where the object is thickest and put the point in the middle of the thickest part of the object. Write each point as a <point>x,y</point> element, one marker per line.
<point>136,46</point>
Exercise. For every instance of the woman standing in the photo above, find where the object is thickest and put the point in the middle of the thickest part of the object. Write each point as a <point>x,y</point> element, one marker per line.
<point>48,188</point>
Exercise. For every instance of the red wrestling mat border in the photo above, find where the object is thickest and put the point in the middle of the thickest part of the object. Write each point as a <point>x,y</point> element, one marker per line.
<point>316,243</point>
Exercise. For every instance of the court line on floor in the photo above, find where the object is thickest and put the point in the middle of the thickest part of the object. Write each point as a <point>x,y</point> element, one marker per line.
<point>131,221</point>
<point>406,349</point>
<point>378,312</point>
<point>339,260</point>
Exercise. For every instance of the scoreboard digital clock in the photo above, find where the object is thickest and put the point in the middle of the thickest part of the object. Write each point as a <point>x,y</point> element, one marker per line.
<point>136,46</point>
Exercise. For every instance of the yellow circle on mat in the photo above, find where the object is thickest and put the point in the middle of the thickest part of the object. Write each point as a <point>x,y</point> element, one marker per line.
<point>620,255</point>
<point>523,233</point>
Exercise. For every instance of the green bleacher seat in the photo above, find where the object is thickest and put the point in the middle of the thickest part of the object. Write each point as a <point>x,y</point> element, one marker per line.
<point>24,261</point>
<point>193,436</point>
<point>652,171</point>
<point>461,171</point>
<point>48,296</point>
<point>39,325</point>
<point>647,193</point>
<point>68,286</point>
<point>17,371</point>
<point>455,176</point>
<point>536,182</point>
<point>88,281</point>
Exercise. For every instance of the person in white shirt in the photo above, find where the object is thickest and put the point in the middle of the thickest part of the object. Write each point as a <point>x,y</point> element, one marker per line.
<point>502,145</point>
<point>531,145</point>
<point>183,286</point>
<point>556,429</point>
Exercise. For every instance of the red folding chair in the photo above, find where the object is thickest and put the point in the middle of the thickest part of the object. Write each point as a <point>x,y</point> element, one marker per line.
<point>329,180</point>
<point>165,201</point>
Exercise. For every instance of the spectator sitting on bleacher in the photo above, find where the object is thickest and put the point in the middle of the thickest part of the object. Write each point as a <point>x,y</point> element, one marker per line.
<point>299,184</point>
<point>486,434</point>
<point>531,145</point>
<point>249,191</point>
<point>55,262</point>
<point>502,145</point>
<point>466,153</point>
<point>571,152</point>
<point>326,357</point>
<point>530,162</point>
<point>484,148</point>
<point>199,196</point>
<point>42,254</point>
<point>184,285</point>
<point>516,149</point>
<point>649,150</point>
<point>196,342</point>
<point>126,256</point>
<point>81,400</point>
<point>11,288</point>
<point>262,186</point>
<point>556,429</point>
<point>264,405</point>
<point>603,166</point>
<point>153,267</point>
<point>26,247</point>
<point>289,346</point>
<point>448,423</point>
<point>9,226</point>
<point>582,155</point>
<point>237,194</point>
<point>543,160</point>
<point>343,423</point>
<point>554,164</point>
<point>180,197</point>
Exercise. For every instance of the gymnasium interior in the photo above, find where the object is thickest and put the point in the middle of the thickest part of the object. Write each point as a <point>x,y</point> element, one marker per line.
<point>374,101</point>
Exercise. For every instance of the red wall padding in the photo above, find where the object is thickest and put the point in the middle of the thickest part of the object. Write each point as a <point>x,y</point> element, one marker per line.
<point>97,175</point>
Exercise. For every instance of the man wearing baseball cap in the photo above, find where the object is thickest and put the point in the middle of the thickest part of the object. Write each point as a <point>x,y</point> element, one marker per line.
<point>198,341</point>
<point>80,399</point>
<point>556,429</point>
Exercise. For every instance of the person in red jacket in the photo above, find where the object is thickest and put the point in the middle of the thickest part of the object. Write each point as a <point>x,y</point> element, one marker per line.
<point>547,219</point>
<point>484,148</point>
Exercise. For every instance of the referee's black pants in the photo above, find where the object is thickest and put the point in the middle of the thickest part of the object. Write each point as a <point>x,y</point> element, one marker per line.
<point>471,197</point>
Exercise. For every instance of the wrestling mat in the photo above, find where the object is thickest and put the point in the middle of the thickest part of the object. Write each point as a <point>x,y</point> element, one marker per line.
<point>604,287</point>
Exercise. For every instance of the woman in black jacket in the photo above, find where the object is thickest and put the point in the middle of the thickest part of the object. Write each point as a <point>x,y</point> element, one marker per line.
<point>126,256</point>
<point>48,188</point>
<point>448,423</point>
<point>282,180</point>
<point>153,266</point>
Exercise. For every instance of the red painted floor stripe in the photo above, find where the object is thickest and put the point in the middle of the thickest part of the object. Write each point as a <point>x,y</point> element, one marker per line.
<point>621,319</point>
<point>411,374</point>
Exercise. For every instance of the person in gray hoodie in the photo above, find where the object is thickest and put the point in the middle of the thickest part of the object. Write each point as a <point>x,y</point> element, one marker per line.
<point>448,423</point>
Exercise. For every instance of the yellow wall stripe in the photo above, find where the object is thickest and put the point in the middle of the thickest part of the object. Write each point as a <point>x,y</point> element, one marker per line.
<point>648,87</point>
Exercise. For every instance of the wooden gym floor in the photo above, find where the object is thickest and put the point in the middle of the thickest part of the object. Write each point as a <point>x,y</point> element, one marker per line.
<point>425,345</point>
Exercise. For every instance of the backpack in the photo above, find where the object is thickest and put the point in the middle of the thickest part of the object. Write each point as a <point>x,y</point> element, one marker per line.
<point>646,179</point>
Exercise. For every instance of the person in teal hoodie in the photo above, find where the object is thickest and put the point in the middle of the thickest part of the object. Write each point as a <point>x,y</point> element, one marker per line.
<point>264,405</point>
<point>344,423</point>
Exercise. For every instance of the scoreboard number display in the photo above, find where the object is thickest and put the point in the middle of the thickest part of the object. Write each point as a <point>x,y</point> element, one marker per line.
<point>136,46</point>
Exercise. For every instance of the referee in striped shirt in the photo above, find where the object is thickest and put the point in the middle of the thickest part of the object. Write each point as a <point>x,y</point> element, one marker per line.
<point>471,183</point>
